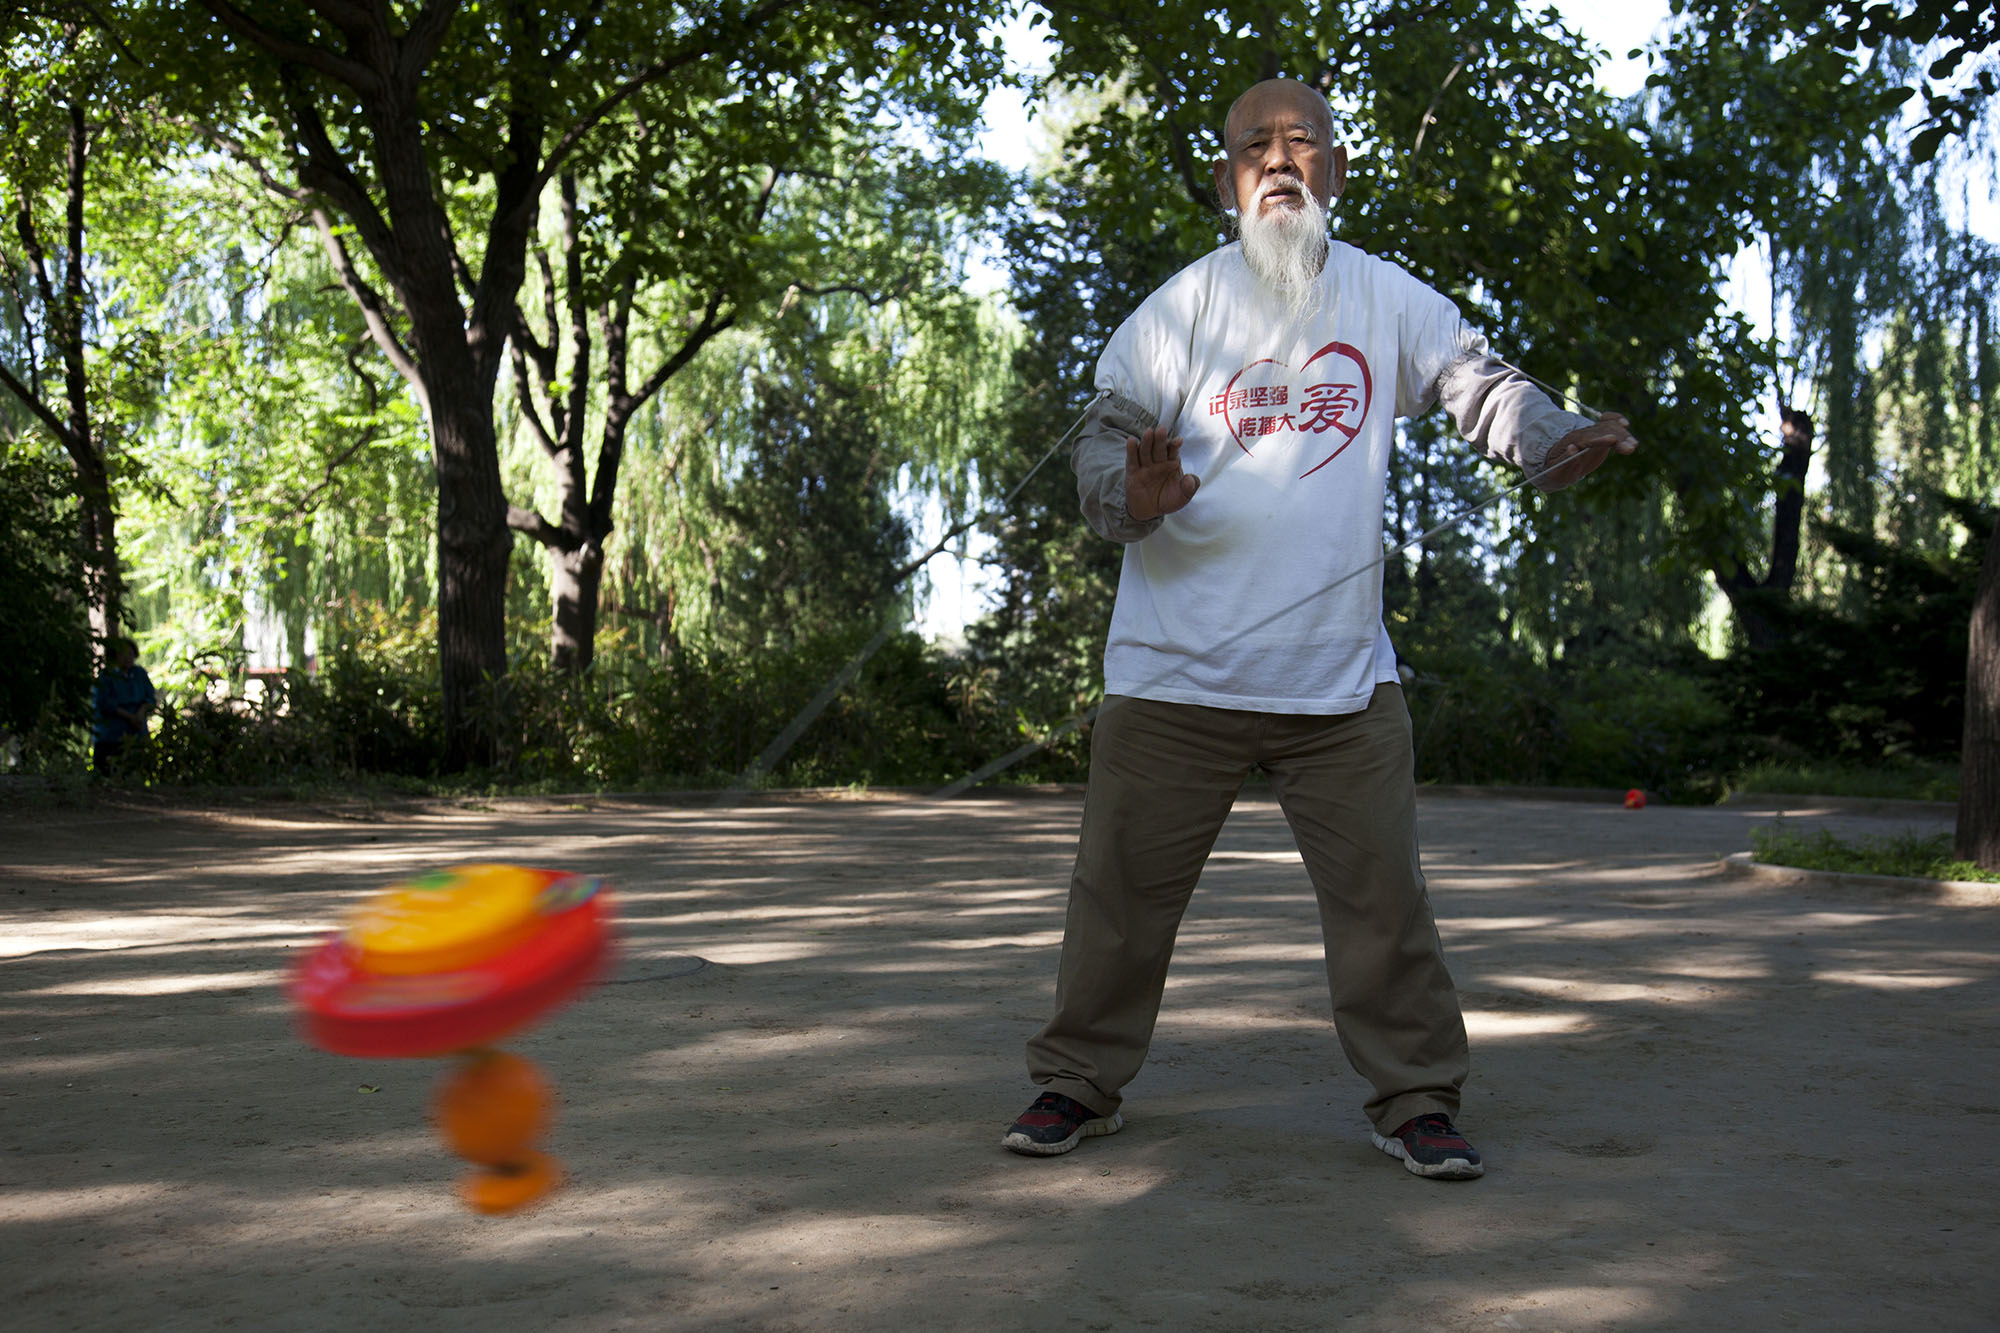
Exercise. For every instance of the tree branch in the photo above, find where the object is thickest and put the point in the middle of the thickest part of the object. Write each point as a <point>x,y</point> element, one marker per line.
<point>570,424</point>
<point>71,318</point>
<point>525,391</point>
<point>31,245</point>
<point>423,37</point>
<point>347,15</point>
<point>324,172</point>
<point>373,311</point>
<point>652,74</point>
<point>339,68</point>
<point>307,501</point>
<point>28,327</point>
<point>35,405</point>
<point>495,305</point>
<point>707,328</point>
<point>543,531</point>
<point>240,152</point>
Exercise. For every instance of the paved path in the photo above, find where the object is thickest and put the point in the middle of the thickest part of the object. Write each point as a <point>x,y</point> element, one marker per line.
<point>1707,1102</point>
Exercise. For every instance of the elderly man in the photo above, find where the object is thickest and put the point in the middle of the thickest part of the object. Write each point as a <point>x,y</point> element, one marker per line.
<point>1239,447</point>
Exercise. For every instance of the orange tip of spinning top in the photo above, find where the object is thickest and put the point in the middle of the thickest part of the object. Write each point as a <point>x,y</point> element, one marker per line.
<point>453,959</point>
<point>1635,799</point>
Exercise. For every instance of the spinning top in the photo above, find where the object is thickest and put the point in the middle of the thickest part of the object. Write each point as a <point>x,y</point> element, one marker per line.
<point>448,963</point>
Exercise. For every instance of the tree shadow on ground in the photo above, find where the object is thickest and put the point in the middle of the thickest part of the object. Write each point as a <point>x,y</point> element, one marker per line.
<point>1704,1103</point>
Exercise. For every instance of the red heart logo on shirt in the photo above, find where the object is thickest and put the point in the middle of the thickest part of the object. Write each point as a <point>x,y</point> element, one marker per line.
<point>1333,401</point>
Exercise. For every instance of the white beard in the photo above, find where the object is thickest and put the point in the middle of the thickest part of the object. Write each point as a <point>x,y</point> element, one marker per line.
<point>1286,249</point>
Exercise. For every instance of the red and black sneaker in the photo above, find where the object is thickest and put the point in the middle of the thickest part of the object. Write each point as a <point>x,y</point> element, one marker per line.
<point>1055,1123</point>
<point>1430,1146</point>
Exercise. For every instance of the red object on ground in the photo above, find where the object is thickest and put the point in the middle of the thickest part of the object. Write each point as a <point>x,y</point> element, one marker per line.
<point>452,961</point>
<point>1635,799</point>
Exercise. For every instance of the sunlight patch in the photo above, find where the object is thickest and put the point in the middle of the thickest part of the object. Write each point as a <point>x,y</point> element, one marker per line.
<point>771,951</point>
<point>1894,981</point>
<point>127,932</point>
<point>1043,939</point>
<point>182,984</point>
<point>18,1205</point>
<point>1487,1025</point>
<point>1586,992</point>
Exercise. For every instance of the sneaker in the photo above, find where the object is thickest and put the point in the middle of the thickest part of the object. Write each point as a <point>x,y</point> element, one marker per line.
<point>1055,1123</point>
<point>1430,1146</point>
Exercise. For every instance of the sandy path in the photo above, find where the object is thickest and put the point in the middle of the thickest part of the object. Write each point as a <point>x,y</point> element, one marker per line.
<point>1706,1103</point>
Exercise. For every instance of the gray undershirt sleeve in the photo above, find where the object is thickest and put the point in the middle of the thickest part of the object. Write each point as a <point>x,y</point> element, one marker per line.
<point>1098,458</point>
<point>1502,412</point>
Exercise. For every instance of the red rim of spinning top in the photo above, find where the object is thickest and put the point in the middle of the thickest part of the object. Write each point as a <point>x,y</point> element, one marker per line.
<point>556,948</point>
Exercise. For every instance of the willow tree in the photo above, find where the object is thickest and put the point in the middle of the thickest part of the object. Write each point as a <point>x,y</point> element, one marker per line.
<point>422,140</point>
<point>1857,232</point>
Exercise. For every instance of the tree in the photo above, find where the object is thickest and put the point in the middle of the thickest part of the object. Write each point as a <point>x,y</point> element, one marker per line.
<point>283,469</point>
<point>428,136</point>
<point>802,196</point>
<point>45,673</point>
<point>70,364</point>
<point>812,545</point>
<point>1978,835</point>
<point>1955,35</point>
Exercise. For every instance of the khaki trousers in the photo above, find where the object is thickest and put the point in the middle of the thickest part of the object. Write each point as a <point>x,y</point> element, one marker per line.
<point>1162,779</point>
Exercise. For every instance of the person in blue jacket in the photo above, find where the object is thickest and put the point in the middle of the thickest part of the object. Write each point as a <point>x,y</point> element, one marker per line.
<point>120,705</point>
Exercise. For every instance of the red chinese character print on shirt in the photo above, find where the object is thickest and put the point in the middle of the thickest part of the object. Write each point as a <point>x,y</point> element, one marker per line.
<point>1332,392</point>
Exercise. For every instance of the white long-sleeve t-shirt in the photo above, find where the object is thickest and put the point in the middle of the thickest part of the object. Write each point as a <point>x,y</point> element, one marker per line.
<point>1265,592</point>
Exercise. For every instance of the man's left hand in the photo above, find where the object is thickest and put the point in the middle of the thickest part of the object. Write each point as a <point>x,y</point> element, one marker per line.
<point>1582,451</point>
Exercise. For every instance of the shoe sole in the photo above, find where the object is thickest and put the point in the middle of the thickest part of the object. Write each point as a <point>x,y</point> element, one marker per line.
<point>1451,1168</point>
<point>1089,1129</point>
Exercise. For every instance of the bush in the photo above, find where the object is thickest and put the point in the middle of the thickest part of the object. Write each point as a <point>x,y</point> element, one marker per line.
<point>373,708</point>
<point>1605,725</point>
<point>1880,681</point>
<point>698,719</point>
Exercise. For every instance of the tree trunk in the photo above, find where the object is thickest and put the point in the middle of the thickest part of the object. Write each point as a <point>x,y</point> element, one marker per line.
<point>104,580</point>
<point>62,322</point>
<point>473,545</point>
<point>577,577</point>
<point>1979,762</point>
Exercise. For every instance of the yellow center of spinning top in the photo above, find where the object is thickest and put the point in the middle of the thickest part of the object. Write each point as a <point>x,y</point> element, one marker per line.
<point>448,919</point>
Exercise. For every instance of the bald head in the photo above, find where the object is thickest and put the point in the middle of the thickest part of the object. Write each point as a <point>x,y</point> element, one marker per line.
<point>1280,96</point>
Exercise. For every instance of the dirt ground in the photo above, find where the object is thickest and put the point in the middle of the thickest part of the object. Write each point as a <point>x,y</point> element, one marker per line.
<point>1706,1101</point>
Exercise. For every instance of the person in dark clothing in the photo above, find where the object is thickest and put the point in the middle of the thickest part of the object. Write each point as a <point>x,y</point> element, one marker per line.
<point>120,705</point>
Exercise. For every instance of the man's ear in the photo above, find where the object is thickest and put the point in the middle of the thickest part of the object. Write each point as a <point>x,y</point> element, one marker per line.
<point>1225,189</point>
<point>1339,170</point>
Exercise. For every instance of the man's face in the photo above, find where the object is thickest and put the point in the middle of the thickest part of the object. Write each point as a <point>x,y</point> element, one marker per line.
<point>1277,141</point>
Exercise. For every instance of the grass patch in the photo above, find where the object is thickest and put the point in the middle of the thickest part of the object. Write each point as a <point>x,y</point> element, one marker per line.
<point>1908,781</point>
<point>1912,855</point>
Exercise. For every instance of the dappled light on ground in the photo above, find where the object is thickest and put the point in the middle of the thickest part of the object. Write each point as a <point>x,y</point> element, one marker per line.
<point>1696,1094</point>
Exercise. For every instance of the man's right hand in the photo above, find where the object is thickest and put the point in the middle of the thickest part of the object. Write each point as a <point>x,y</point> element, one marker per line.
<point>1154,483</point>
